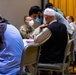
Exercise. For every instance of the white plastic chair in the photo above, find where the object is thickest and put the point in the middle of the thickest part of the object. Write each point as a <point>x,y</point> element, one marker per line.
<point>30,56</point>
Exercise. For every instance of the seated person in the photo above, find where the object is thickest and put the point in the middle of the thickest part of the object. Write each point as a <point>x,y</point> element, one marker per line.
<point>53,39</point>
<point>70,19</point>
<point>27,28</point>
<point>11,47</point>
<point>57,40</point>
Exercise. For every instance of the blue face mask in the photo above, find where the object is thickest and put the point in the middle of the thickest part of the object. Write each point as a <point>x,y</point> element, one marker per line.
<point>38,19</point>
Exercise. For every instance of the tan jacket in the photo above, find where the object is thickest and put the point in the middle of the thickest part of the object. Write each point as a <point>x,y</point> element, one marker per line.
<point>25,31</point>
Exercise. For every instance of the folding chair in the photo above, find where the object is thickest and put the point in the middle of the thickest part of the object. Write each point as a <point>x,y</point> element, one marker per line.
<point>30,56</point>
<point>72,58</point>
<point>58,67</point>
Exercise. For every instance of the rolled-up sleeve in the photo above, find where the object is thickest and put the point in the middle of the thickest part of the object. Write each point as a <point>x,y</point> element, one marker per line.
<point>43,36</point>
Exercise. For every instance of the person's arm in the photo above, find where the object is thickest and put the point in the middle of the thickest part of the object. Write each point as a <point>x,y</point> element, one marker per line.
<point>43,36</point>
<point>22,31</point>
<point>61,19</point>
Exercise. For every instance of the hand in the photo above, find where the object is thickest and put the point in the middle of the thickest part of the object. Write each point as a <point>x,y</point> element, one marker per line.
<point>43,25</point>
<point>30,36</point>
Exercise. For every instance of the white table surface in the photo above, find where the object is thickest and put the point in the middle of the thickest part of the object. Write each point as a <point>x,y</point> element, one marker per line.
<point>28,41</point>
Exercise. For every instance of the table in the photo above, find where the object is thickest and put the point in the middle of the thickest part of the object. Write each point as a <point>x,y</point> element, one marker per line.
<point>28,41</point>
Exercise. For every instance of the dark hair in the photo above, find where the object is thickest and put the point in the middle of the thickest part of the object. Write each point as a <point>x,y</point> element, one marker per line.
<point>3,27</point>
<point>34,9</point>
<point>49,5</point>
<point>71,17</point>
<point>3,20</point>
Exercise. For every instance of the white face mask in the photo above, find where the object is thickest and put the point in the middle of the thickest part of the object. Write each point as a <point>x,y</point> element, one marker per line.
<point>31,22</point>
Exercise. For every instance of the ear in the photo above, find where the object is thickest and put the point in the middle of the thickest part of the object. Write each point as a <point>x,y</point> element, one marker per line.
<point>26,22</point>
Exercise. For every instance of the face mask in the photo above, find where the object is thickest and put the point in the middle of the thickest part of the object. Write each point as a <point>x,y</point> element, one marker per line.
<point>31,22</point>
<point>38,19</point>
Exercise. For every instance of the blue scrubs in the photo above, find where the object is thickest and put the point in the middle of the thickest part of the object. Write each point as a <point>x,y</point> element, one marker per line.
<point>10,56</point>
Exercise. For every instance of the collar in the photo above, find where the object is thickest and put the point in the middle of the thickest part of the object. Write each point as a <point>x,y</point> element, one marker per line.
<point>53,21</point>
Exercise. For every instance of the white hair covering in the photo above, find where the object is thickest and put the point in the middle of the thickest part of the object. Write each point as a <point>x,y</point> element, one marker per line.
<point>49,12</point>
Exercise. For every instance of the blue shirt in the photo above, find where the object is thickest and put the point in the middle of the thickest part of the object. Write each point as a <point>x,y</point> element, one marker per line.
<point>10,56</point>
